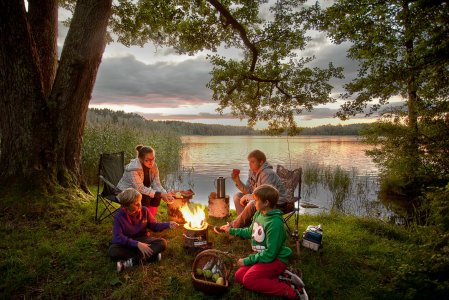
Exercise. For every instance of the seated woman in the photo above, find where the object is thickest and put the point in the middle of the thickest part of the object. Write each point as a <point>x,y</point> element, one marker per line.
<point>140,174</point>
<point>131,243</point>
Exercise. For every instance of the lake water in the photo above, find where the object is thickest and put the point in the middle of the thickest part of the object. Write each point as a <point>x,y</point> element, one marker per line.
<point>206,158</point>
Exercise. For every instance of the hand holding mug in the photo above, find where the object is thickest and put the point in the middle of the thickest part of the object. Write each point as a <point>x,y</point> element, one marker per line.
<point>235,175</point>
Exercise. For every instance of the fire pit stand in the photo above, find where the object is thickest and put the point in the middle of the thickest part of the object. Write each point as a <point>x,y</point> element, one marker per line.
<point>196,239</point>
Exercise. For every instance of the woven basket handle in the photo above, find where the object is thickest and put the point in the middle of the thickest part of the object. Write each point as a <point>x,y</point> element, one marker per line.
<point>215,252</point>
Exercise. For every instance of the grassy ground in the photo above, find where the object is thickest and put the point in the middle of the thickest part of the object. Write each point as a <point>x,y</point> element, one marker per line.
<point>54,250</point>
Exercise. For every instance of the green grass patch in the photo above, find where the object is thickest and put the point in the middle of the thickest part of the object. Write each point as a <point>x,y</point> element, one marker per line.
<point>57,251</point>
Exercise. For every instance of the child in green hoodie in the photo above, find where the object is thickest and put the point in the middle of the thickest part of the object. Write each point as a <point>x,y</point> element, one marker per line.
<point>265,271</point>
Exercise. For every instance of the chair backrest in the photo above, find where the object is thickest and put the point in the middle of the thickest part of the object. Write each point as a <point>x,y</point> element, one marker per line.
<point>112,166</point>
<point>290,180</point>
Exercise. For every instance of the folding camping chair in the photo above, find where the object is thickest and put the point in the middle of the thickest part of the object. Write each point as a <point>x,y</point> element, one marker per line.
<point>290,179</point>
<point>110,171</point>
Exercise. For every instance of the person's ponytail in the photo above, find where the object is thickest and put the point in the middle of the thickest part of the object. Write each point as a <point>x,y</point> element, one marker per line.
<point>144,150</point>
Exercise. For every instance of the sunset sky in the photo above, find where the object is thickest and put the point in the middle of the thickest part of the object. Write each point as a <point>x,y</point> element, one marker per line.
<point>162,85</point>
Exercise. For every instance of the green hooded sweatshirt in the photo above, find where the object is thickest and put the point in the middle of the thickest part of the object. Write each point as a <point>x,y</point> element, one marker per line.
<point>268,238</point>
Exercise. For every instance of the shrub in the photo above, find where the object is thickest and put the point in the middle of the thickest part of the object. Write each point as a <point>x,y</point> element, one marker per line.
<point>109,138</point>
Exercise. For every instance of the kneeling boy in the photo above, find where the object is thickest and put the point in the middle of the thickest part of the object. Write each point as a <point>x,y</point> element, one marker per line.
<point>265,270</point>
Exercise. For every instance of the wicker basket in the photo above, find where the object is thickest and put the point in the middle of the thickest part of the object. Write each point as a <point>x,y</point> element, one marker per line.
<point>200,283</point>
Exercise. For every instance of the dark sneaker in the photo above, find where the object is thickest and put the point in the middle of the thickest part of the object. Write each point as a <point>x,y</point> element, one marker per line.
<point>124,264</point>
<point>300,293</point>
<point>291,278</point>
<point>218,230</point>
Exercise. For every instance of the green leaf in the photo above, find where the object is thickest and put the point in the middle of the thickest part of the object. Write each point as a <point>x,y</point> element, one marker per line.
<point>115,281</point>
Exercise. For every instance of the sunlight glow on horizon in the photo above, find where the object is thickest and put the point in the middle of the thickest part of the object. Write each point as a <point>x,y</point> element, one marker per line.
<point>221,121</point>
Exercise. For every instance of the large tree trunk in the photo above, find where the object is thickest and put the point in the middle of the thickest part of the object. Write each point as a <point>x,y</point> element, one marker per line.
<point>27,146</point>
<point>42,137</point>
<point>43,21</point>
<point>75,79</point>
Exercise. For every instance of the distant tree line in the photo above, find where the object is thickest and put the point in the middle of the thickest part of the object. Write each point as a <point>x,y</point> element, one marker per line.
<point>95,115</point>
<point>351,129</point>
<point>105,112</point>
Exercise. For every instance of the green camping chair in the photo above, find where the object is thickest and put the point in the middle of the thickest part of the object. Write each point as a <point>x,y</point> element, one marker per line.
<point>110,171</point>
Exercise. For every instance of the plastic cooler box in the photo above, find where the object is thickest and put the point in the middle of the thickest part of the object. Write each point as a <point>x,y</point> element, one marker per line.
<point>312,237</point>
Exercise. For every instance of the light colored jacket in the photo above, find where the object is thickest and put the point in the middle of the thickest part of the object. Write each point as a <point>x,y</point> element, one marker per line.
<point>265,175</point>
<point>133,178</point>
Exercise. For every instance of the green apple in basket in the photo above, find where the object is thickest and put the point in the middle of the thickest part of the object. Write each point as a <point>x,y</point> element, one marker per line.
<point>199,272</point>
<point>220,280</point>
<point>208,274</point>
<point>215,277</point>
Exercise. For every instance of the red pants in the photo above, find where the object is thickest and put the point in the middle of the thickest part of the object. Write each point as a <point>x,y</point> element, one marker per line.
<point>263,278</point>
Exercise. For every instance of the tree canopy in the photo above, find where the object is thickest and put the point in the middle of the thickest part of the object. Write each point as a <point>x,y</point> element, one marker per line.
<point>44,100</point>
<point>271,83</point>
<point>403,50</point>
<point>402,47</point>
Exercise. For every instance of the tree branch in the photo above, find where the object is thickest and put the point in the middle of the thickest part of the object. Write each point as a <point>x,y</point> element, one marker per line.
<point>283,92</point>
<point>236,25</point>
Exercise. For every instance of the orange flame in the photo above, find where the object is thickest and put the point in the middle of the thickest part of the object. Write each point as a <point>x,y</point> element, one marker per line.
<point>196,218</point>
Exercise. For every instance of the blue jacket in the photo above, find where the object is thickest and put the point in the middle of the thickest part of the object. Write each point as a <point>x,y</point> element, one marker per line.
<point>126,227</point>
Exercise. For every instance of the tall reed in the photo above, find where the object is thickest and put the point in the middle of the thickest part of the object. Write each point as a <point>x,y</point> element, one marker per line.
<point>109,138</point>
<point>339,182</point>
<point>311,178</point>
<point>346,190</point>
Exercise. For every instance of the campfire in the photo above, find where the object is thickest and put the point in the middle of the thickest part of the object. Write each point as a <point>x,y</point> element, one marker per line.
<point>196,219</point>
<point>195,230</point>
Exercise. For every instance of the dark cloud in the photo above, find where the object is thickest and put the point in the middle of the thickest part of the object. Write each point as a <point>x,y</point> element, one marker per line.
<point>128,81</point>
<point>325,52</point>
<point>328,113</point>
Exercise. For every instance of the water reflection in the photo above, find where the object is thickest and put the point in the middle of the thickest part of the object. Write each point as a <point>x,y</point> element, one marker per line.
<point>336,173</point>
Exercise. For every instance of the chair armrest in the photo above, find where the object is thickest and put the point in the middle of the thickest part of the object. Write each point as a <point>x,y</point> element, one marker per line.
<point>281,204</point>
<point>287,200</point>
<point>116,190</point>
<point>285,207</point>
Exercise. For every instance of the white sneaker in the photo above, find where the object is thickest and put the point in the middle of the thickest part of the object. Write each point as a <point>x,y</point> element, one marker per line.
<point>295,279</point>
<point>159,257</point>
<point>124,264</point>
<point>300,293</point>
<point>291,278</point>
